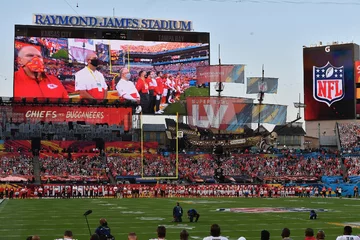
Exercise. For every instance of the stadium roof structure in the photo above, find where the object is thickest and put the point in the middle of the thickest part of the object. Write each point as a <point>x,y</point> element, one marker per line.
<point>154,128</point>
<point>289,130</point>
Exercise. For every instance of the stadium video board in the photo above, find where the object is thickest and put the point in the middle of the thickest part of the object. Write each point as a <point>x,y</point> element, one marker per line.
<point>329,85</point>
<point>155,69</point>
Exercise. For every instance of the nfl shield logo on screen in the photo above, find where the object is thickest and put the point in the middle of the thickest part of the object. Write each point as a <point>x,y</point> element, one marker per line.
<point>329,83</point>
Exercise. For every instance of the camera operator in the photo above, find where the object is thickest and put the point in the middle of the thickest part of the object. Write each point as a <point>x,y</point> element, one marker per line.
<point>104,231</point>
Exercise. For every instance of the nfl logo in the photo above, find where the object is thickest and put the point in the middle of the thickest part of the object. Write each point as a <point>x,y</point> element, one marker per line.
<point>329,84</point>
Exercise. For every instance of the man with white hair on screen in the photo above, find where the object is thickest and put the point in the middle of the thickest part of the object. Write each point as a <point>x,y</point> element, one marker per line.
<point>90,82</point>
<point>126,89</point>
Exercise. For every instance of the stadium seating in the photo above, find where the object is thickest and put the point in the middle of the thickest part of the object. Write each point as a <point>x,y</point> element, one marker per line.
<point>349,135</point>
<point>61,131</point>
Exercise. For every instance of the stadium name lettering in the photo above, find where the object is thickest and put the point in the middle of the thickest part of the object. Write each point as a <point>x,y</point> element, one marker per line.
<point>111,22</point>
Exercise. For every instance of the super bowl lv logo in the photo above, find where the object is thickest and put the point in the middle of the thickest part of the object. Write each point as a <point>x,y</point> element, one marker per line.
<point>329,84</point>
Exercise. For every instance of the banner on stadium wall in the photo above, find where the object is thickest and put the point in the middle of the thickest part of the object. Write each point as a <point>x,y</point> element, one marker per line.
<point>357,72</point>
<point>255,84</point>
<point>222,73</point>
<point>228,114</point>
<point>83,146</point>
<point>90,115</point>
<point>357,82</point>
<point>272,114</point>
<point>130,145</point>
<point>231,114</point>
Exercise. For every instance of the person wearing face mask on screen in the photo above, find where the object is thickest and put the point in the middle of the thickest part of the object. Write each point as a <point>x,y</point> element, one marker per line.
<point>90,82</point>
<point>126,89</point>
<point>31,81</point>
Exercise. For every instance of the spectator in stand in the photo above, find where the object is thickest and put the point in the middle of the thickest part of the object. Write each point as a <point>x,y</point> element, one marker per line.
<point>31,81</point>
<point>89,81</point>
<point>84,167</point>
<point>349,134</point>
<point>16,165</point>
<point>215,233</point>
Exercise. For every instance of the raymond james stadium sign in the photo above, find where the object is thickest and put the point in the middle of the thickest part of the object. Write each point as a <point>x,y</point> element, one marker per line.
<point>111,22</point>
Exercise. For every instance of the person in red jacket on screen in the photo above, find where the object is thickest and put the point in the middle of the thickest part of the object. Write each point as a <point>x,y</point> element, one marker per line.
<point>159,89</point>
<point>151,81</point>
<point>31,81</point>
<point>143,88</point>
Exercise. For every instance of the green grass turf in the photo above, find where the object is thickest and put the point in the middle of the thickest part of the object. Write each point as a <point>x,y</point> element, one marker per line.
<point>50,218</point>
<point>180,107</point>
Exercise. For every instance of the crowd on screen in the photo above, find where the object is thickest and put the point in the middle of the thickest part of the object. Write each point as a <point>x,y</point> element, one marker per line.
<point>163,47</point>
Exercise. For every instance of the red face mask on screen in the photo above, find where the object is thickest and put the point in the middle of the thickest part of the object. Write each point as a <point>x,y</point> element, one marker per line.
<point>36,65</point>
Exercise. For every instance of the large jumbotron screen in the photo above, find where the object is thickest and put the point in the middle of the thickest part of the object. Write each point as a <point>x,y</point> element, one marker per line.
<point>63,67</point>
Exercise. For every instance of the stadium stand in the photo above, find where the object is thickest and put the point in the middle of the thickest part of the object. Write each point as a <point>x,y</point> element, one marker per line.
<point>349,135</point>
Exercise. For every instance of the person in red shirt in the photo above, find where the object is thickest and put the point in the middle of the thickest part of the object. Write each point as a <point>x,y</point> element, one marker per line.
<point>31,81</point>
<point>159,90</point>
<point>1,192</point>
<point>143,89</point>
<point>151,81</point>
<point>309,234</point>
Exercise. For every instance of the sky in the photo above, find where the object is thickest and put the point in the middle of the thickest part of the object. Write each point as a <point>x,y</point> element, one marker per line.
<point>250,32</point>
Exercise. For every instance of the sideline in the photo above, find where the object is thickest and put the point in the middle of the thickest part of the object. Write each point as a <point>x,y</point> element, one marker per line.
<point>2,204</point>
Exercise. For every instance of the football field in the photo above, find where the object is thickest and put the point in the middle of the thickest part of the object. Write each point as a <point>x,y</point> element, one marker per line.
<point>237,217</point>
